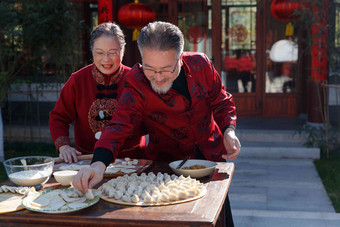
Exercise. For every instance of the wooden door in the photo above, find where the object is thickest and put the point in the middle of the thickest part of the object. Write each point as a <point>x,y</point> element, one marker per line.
<point>241,54</point>
<point>273,84</point>
<point>237,36</point>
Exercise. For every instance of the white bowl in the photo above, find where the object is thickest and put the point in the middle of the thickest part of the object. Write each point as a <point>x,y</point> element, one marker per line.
<point>65,177</point>
<point>195,173</point>
<point>29,170</point>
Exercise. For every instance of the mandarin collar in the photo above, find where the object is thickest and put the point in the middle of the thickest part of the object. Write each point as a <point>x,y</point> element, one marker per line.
<point>102,78</point>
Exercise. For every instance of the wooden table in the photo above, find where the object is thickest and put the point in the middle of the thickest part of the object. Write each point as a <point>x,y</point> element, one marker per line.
<point>206,211</point>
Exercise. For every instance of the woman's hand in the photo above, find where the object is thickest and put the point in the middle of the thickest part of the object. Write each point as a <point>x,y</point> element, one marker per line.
<point>89,176</point>
<point>68,153</point>
<point>231,144</point>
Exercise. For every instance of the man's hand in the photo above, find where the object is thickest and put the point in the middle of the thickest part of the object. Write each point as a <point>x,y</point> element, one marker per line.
<point>231,144</point>
<point>89,176</point>
<point>68,153</point>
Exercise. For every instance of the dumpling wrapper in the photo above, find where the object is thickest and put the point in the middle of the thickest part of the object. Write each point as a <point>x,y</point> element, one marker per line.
<point>77,204</point>
<point>44,199</point>
<point>121,166</point>
<point>68,199</point>
<point>40,202</point>
<point>112,170</point>
<point>128,170</point>
<point>56,203</point>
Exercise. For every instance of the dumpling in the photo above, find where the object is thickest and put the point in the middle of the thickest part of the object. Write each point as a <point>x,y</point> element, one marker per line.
<point>118,195</point>
<point>162,187</point>
<point>147,198</point>
<point>173,176</point>
<point>173,197</point>
<point>167,179</point>
<point>89,195</point>
<point>164,197</point>
<point>193,192</point>
<point>152,176</point>
<point>126,198</point>
<point>160,176</point>
<point>183,195</point>
<point>139,191</point>
<point>156,197</point>
<point>111,193</point>
<point>131,191</point>
<point>143,184</point>
<point>135,199</point>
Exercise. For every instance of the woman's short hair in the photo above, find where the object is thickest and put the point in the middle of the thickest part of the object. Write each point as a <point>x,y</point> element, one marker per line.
<point>108,29</point>
<point>161,36</point>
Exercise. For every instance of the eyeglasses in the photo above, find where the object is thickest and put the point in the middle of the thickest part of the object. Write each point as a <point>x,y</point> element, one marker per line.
<point>110,54</point>
<point>163,72</point>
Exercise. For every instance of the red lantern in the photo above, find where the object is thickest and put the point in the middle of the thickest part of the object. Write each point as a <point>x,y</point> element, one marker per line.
<point>194,34</point>
<point>105,11</point>
<point>136,15</point>
<point>285,9</point>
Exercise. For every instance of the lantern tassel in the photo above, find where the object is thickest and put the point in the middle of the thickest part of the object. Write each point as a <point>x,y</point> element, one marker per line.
<point>289,30</point>
<point>135,34</point>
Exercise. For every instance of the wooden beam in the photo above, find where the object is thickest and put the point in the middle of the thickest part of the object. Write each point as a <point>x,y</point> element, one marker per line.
<point>216,34</point>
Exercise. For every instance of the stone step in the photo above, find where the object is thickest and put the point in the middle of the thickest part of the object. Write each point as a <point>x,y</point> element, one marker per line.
<point>256,135</point>
<point>260,218</point>
<point>278,150</point>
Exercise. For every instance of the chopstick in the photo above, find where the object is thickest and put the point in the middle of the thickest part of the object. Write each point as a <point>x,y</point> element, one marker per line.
<point>183,162</point>
<point>186,159</point>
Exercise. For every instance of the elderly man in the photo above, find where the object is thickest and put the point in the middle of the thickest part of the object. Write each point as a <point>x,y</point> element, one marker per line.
<point>178,98</point>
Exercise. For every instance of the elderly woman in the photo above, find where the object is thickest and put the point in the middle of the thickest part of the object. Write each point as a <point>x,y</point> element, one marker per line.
<point>90,96</point>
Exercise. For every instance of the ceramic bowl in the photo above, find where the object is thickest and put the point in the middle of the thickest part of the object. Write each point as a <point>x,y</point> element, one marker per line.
<point>29,170</point>
<point>65,177</point>
<point>194,173</point>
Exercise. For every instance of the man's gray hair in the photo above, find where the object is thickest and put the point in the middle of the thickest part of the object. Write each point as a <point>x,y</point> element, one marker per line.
<point>161,36</point>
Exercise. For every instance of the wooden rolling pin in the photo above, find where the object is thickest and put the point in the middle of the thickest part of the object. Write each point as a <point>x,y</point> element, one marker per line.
<point>80,157</point>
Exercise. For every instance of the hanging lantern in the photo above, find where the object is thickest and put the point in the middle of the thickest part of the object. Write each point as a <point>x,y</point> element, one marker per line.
<point>285,9</point>
<point>135,16</point>
<point>105,11</point>
<point>194,35</point>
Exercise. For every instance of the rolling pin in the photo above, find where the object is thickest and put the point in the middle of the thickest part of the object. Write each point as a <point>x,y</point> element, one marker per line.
<point>80,157</point>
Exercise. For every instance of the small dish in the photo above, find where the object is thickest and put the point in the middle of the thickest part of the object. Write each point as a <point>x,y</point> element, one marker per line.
<point>195,173</point>
<point>65,177</point>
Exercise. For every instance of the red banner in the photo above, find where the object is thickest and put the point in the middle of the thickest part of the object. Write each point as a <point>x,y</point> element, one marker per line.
<point>105,11</point>
<point>319,44</point>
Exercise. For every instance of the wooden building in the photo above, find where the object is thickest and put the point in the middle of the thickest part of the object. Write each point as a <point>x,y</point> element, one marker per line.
<point>239,37</point>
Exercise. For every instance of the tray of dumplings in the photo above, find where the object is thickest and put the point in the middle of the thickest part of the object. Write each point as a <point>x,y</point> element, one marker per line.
<point>151,189</point>
<point>119,168</point>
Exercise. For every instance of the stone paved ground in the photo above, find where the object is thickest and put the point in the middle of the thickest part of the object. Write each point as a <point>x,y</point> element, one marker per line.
<point>279,192</point>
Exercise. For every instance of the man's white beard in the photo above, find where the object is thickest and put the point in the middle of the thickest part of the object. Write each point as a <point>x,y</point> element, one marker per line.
<point>160,90</point>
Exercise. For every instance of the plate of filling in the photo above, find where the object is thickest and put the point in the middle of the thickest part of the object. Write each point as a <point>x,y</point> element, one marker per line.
<point>119,168</point>
<point>60,201</point>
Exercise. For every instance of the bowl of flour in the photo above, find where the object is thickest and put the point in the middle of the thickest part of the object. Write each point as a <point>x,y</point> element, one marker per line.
<point>29,170</point>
